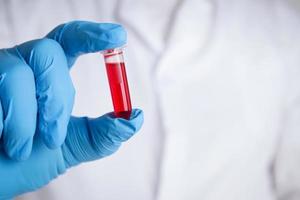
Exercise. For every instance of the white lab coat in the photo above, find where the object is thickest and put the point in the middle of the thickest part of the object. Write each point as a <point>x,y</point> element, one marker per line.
<point>219,82</point>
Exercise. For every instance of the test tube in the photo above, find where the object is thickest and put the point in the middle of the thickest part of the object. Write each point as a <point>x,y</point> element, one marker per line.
<point>117,78</point>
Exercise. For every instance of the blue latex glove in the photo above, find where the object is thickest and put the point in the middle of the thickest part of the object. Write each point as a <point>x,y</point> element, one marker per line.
<point>36,96</point>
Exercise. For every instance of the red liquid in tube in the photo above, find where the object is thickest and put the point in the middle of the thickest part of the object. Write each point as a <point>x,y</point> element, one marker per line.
<point>118,84</point>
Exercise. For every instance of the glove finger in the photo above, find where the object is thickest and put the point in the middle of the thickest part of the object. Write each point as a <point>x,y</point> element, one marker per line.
<point>80,37</point>
<point>19,105</point>
<point>54,88</point>
<point>1,117</point>
<point>91,139</point>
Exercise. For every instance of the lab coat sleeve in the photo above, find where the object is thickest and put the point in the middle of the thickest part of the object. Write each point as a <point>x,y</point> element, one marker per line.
<point>286,168</point>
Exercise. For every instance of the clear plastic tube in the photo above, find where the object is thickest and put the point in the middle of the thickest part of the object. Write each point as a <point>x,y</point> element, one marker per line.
<point>117,78</point>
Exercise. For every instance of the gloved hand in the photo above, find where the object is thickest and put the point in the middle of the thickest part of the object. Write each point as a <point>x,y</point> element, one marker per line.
<point>36,91</point>
<point>36,95</point>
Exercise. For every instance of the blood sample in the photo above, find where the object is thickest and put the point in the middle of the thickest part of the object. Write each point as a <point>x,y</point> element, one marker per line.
<point>116,73</point>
